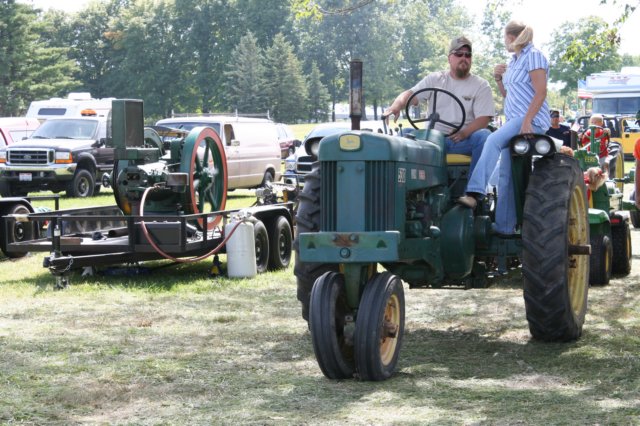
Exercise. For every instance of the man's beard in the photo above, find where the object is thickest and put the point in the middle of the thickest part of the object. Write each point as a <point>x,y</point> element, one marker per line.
<point>462,73</point>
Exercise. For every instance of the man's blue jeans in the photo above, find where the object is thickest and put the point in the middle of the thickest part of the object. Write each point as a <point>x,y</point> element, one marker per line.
<point>470,146</point>
<point>497,148</point>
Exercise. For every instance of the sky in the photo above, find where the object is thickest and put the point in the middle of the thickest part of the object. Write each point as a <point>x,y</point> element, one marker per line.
<point>544,16</point>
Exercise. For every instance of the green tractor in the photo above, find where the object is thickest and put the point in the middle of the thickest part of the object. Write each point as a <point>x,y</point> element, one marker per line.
<point>610,233</point>
<point>377,199</point>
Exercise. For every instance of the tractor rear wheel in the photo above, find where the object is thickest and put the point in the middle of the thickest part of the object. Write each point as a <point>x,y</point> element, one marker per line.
<point>555,266</point>
<point>331,326</point>
<point>621,236</point>
<point>308,220</point>
<point>379,327</point>
<point>600,260</point>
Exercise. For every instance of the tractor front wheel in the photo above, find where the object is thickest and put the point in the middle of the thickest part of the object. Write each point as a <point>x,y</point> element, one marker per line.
<point>379,327</point>
<point>308,220</point>
<point>621,235</point>
<point>555,262</point>
<point>331,325</point>
<point>600,260</point>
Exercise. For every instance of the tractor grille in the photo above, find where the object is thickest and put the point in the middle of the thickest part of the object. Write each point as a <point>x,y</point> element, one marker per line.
<point>30,156</point>
<point>379,189</point>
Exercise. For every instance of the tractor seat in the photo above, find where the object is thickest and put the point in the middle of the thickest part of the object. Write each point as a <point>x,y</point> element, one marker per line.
<point>458,159</point>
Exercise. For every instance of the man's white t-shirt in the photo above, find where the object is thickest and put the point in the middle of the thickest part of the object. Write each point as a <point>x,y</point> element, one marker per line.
<point>474,93</point>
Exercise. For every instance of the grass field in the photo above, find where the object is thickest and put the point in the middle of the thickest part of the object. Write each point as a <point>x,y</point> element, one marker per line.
<point>171,344</point>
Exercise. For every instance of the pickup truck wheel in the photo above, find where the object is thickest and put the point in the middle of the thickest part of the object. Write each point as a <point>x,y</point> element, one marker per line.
<point>555,264</point>
<point>8,190</point>
<point>18,231</point>
<point>308,220</point>
<point>82,184</point>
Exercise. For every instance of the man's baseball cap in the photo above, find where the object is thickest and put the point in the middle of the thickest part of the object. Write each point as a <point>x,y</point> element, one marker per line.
<point>459,42</point>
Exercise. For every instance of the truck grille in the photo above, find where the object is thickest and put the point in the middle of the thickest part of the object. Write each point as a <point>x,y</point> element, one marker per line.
<point>304,164</point>
<point>379,189</point>
<point>30,156</point>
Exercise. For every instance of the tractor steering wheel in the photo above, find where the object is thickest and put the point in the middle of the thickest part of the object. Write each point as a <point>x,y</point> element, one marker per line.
<point>434,117</point>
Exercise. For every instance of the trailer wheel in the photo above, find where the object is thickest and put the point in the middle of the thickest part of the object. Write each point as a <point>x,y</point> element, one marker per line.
<point>555,226</point>
<point>280,243</point>
<point>308,220</point>
<point>600,260</point>
<point>379,327</point>
<point>82,184</point>
<point>18,231</point>
<point>621,236</point>
<point>262,246</point>
<point>331,326</point>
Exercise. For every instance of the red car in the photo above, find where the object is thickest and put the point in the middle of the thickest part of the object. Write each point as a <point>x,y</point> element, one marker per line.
<point>14,129</point>
<point>288,141</point>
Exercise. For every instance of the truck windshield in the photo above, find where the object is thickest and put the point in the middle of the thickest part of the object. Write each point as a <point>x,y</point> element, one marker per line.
<point>613,106</point>
<point>66,129</point>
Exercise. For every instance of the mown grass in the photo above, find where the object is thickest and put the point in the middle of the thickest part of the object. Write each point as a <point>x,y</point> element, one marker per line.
<point>174,345</point>
<point>178,346</point>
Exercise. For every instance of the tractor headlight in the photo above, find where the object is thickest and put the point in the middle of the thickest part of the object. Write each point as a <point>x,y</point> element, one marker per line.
<point>543,146</point>
<point>521,146</point>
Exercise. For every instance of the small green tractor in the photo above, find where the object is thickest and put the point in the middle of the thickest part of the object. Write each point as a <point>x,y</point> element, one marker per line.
<point>376,199</point>
<point>610,233</point>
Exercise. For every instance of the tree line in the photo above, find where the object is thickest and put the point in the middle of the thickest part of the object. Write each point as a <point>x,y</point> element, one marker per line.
<point>254,56</point>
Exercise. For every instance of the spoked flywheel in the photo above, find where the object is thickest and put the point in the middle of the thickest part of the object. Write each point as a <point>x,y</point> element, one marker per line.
<point>204,161</point>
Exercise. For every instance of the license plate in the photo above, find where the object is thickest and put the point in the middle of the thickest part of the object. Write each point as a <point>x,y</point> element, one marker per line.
<point>25,177</point>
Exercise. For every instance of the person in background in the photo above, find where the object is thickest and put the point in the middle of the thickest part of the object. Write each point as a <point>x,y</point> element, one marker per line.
<point>523,84</point>
<point>474,93</point>
<point>601,133</point>
<point>557,130</point>
<point>636,154</point>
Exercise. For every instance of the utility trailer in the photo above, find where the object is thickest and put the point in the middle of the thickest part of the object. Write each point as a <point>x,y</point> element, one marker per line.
<point>170,202</point>
<point>102,236</point>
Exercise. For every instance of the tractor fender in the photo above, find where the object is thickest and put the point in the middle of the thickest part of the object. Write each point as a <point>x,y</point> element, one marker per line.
<point>457,242</point>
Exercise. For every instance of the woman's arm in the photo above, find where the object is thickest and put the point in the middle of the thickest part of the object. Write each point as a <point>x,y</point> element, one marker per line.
<point>539,83</point>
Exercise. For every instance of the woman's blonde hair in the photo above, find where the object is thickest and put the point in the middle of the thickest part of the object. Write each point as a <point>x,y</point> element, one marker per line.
<point>522,32</point>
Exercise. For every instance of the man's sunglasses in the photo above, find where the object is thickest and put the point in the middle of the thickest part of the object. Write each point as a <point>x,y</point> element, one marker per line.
<point>461,54</point>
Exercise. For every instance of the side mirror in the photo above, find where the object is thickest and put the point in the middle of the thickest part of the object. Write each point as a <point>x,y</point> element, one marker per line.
<point>235,142</point>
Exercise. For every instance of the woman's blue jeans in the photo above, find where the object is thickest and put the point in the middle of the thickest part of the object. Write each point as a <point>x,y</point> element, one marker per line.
<point>496,154</point>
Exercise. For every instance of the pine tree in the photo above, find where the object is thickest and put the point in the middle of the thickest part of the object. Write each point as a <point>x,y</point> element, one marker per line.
<point>245,77</point>
<point>318,102</point>
<point>286,85</point>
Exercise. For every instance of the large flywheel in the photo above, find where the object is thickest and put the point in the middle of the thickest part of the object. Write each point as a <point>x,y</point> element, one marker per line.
<point>204,161</point>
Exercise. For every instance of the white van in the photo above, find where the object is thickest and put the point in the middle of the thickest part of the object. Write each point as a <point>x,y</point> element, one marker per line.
<point>251,146</point>
<point>76,104</point>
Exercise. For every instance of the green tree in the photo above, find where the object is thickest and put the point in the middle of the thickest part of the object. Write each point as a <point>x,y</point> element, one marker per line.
<point>16,42</point>
<point>285,85</point>
<point>149,60</point>
<point>245,77</point>
<point>576,35</point>
<point>318,101</point>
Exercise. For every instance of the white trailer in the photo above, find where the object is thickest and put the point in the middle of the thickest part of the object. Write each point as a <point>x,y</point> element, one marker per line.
<point>76,104</point>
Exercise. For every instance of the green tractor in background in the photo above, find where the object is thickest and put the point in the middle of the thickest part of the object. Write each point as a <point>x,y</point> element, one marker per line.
<point>377,199</point>
<point>608,216</point>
